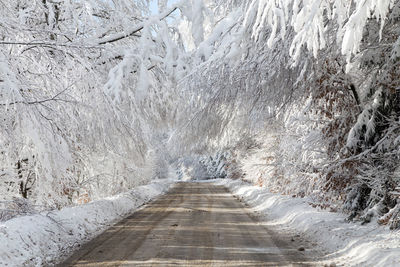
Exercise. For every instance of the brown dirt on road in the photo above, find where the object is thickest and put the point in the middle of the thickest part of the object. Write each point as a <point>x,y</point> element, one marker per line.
<point>194,224</point>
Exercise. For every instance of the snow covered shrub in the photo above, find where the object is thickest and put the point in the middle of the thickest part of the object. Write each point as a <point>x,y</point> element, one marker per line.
<point>16,207</point>
<point>259,164</point>
<point>392,217</point>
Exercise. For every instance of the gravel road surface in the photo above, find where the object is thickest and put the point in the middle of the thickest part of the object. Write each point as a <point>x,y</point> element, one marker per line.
<point>194,224</point>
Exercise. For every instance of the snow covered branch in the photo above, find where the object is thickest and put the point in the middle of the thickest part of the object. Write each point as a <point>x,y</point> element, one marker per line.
<point>135,29</point>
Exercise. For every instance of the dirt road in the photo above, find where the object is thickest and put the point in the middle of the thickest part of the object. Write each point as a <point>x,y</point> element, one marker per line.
<point>195,224</point>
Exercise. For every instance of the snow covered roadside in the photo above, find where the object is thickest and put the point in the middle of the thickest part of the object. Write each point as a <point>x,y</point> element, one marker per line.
<point>347,244</point>
<point>44,239</point>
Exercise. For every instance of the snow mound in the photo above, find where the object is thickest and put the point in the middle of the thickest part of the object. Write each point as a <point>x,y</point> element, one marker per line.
<point>46,238</point>
<point>347,244</point>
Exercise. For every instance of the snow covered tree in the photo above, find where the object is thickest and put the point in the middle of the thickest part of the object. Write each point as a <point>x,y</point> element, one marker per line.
<point>298,95</point>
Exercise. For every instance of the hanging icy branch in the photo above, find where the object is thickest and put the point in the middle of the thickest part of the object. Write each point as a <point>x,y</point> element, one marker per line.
<point>49,44</point>
<point>37,102</point>
<point>136,28</point>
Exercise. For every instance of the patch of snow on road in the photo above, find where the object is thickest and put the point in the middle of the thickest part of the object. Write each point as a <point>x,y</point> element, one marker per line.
<point>347,244</point>
<point>46,238</point>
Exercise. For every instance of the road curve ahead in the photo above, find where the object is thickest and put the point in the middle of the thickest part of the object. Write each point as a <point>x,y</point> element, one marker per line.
<point>194,224</point>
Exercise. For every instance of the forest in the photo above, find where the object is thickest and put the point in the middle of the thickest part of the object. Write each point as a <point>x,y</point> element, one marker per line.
<point>299,96</point>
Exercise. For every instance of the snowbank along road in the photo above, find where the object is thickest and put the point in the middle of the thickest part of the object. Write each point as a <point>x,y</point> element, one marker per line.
<point>194,224</point>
